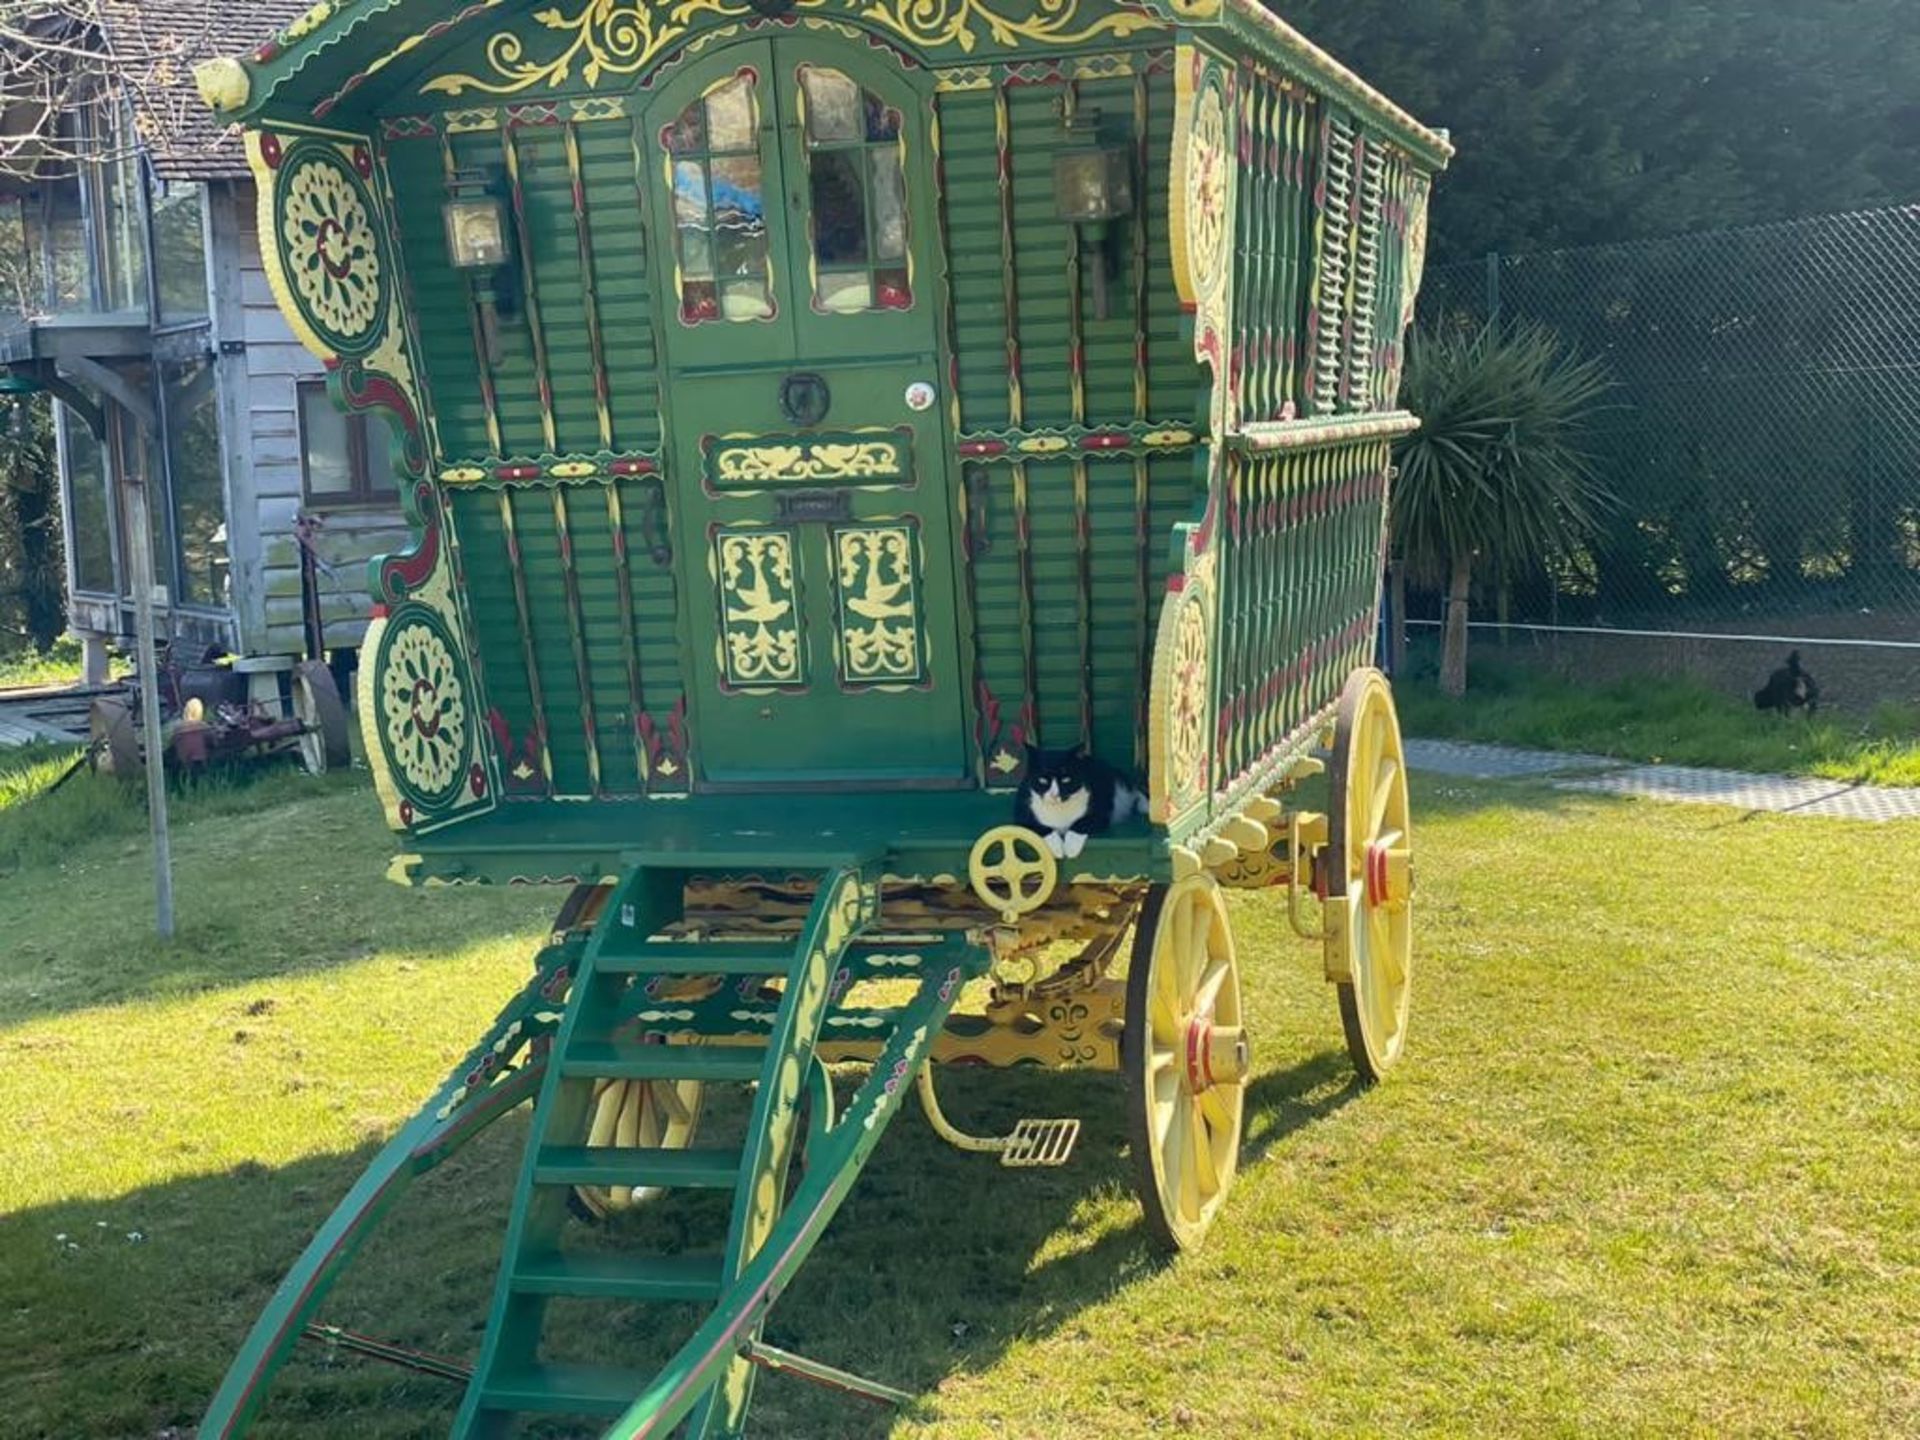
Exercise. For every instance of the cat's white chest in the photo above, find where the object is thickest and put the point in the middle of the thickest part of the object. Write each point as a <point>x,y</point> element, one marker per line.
<point>1058,814</point>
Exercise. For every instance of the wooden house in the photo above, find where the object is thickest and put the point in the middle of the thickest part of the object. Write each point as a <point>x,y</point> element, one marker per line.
<point>137,293</point>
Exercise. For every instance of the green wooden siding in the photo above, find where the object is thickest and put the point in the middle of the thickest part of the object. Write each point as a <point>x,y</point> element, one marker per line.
<point>610,156</point>
<point>1043,300</point>
<point>546,638</point>
<point>439,295</point>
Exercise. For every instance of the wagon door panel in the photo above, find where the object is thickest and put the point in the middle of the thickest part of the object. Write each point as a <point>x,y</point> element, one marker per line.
<point>808,449</point>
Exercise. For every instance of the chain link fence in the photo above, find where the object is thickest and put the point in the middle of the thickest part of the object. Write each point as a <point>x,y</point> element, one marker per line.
<point>1763,444</point>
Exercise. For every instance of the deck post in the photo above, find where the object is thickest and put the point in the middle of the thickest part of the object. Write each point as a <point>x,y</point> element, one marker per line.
<point>133,488</point>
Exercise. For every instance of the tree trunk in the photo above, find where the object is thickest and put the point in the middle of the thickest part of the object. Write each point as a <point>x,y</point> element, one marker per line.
<point>1453,650</point>
<point>1397,622</point>
<point>1504,600</point>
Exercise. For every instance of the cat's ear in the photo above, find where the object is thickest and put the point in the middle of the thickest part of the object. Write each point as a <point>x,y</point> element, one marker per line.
<point>1033,751</point>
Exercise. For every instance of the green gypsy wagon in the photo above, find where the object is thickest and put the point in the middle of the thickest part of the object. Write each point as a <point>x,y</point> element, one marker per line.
<point>837,428</point>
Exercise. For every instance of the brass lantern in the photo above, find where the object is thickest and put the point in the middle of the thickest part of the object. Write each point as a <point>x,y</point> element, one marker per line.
<point>480,245</point>
<point>1092,181</point>
<point>477,232</point>
<point>1092,188</point>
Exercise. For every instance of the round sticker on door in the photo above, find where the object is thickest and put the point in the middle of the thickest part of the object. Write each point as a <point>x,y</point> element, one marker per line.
<point>920,396</point>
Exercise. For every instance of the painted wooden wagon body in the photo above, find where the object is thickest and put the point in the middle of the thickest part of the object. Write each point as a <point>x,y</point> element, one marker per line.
<point>808,407</point>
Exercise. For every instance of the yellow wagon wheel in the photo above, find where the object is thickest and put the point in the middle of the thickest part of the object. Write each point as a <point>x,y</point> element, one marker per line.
<point>638,1114</point>
<point>1369,862</point>
<point>1185,1055</point>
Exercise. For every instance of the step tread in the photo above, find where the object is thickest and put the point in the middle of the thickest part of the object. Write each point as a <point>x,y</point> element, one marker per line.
<point>694,1168</point>
<point>621,1277</point>
<point>681,957</point>
<point>564,1389</point>
<point>632,1060</point>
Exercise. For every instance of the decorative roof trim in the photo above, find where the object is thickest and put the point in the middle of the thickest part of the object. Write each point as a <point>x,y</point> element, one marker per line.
<point>240,88</point>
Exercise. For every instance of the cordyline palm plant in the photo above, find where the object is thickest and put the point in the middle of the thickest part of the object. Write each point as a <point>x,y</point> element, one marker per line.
<point>1495,478</point>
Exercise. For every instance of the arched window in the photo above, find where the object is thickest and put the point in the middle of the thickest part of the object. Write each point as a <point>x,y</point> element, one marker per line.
<point>858,196</point>
<point>719,205</point>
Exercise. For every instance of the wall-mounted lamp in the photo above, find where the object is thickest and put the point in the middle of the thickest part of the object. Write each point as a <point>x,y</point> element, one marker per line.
<point>477,232</point>
<point>1093,187</point>
<point>480,245</point>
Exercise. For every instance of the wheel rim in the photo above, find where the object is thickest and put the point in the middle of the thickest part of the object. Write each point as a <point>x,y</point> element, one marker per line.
<point>1374,852</point>
<point>1193,1059</point>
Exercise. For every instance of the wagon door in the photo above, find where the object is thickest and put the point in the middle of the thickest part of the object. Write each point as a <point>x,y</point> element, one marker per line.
<point>794,210</point>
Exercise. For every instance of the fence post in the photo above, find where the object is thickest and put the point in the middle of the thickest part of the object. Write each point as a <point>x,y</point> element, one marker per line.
<point>1493,286</point>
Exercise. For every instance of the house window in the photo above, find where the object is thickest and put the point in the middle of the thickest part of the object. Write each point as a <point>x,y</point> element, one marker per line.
<point>198,479</point>
<point>180,248</point>
<point>92,513</point>
<point>345,458</point>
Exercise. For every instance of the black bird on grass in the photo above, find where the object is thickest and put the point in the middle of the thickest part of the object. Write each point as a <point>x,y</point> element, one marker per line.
<point>1788,689</point>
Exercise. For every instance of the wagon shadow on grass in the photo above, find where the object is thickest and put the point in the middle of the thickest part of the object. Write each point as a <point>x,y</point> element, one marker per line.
<point>938,1262</point>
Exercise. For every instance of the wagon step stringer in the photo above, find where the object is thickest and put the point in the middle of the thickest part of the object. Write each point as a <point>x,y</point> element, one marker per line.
<point>709,1382</point>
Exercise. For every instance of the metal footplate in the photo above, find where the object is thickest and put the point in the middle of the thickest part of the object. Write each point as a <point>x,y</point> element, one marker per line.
<point>1033,1145</point>
<point>1040,1144</point>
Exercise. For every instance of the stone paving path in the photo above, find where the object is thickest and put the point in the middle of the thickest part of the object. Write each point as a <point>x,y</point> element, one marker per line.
<point>1782,794</point>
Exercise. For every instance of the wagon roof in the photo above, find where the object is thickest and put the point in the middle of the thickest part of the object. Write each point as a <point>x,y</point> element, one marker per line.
<point>303,71</point>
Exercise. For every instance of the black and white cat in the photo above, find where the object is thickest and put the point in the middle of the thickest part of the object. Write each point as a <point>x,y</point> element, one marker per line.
<point>1069,796</point>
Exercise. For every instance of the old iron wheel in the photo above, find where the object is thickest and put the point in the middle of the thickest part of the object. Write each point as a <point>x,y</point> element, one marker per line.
<point>115,738</point>
<point>324,743</point>
<point>1369,872</point>
<point>1184,1052</point>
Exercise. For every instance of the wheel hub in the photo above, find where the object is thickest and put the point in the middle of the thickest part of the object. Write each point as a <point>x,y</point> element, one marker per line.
<point>1216,1054</point>
<point>1389,874</point>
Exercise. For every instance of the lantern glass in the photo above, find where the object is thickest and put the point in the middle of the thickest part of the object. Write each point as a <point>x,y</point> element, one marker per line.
<point>1092,183</point>
<point>477,233</point>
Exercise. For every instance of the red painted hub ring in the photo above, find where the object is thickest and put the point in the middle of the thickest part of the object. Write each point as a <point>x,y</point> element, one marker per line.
<point>1200,1054</point>
<point>1377,887</point>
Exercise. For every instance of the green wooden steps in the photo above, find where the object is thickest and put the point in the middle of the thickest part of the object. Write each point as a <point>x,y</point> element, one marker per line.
<point>668,1169</point>
<point>619,1277</point>
<point>563,1389</point>
<point>621,1060</point>
<point>598,1041</point>
<point>661,957</point>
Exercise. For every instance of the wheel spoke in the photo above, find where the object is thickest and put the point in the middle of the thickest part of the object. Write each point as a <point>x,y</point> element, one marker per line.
<point>1359,933</point>
<point>1180,1155</point>
<point>1163,998</point>
<point>1166,1099</point>
<point>1213,1105</point>
<point>1383,787</point>
<point>1193,952</point>
<point>1207,994</point>
<point>672,1103</point>
<point>1386,1014</point>
<point>1206,1174</point>
<point>1385,963</point>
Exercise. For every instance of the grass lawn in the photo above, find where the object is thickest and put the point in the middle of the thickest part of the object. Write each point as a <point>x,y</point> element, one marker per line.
<point>1654,719</point>
<point>59,665</point>
<point>1647,1171</point>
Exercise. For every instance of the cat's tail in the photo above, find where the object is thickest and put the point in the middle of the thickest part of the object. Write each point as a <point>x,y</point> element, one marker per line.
<point>1127,803</point>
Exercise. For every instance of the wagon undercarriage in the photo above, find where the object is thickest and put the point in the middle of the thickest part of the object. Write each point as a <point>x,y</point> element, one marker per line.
<point>698,971</point>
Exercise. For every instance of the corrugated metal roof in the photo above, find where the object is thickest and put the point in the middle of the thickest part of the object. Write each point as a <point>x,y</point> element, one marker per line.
<point>157,43</point>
